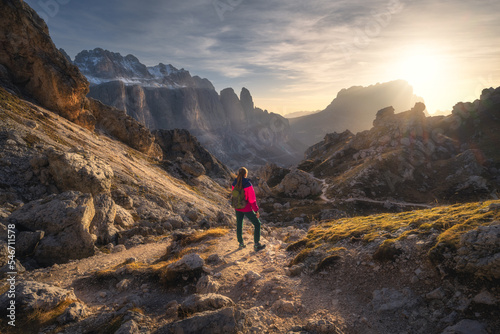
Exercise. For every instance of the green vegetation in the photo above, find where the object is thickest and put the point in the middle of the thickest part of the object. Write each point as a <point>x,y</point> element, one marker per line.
<point>449,222</point>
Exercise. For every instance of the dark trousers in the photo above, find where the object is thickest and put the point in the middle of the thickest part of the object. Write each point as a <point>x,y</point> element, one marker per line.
<point>239,225</point>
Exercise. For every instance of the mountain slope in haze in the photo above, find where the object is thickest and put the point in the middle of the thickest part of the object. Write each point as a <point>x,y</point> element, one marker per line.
<point>163,97</point>
<point>353,109</point>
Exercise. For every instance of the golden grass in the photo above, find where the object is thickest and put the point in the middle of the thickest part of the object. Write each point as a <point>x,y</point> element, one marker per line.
<point>450,222</point>
<point>39,319</point>
<point>158,269</point>
<point>201,236</point>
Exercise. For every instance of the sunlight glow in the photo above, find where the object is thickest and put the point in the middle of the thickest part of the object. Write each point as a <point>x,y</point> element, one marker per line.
<point>429,72</point>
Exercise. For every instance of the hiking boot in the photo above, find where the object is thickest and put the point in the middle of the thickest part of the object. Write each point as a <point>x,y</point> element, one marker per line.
<point>258,247</point>
<point>242,245</point>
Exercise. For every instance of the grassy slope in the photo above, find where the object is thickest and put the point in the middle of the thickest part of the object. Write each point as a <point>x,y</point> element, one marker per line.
<point>449,222</point>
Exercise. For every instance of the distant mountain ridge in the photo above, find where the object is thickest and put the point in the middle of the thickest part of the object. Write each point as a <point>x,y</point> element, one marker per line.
<point>354,109</point>
<point>101,66</point>
<point>163,97</point>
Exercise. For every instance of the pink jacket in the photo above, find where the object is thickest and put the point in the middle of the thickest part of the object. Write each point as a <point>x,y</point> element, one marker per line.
<point>249,196</point>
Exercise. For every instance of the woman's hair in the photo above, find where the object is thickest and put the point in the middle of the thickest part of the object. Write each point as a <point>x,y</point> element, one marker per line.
<point>242,172</point>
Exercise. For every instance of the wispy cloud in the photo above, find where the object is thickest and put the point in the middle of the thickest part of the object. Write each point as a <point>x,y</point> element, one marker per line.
<point>287,49</point>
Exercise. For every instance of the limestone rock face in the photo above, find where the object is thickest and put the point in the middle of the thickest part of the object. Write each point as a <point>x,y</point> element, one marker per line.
<point>37,67</point>
<point>233,108</point>
<point>80,171</point>
<point>165,98</point>
<point>65,220</point>
<point>195,160</point>
<point>124,128</point>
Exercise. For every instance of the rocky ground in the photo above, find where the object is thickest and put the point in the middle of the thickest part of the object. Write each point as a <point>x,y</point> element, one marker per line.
<point>240,290</point>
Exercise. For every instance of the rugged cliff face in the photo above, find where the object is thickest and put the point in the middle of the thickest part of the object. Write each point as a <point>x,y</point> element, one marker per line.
<point>354,109</point>
<point>30,62</point>
<point>68,189</point>
<point>163,97</point>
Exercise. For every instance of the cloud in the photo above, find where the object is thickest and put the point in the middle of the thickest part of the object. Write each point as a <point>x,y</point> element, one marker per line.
<point>288,47</point>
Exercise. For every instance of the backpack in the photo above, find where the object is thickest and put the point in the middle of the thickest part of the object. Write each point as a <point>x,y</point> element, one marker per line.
<point>238,200</point>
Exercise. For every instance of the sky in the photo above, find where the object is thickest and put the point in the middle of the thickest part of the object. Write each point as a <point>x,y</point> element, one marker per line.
<point>295,55</point>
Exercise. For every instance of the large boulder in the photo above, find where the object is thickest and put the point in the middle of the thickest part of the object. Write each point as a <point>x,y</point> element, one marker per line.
<point>210,322</point>
<point>206,302</point>
<point>103,224</point>
<point>81,171</point>
<point>65,220</point>
<point>32,296</point>
<point>299,184</point>
<point>188,268</point>
<point>37,67</point>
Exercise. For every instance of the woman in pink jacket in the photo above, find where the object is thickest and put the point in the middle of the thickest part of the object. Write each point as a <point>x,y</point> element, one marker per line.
<point>251,210</point>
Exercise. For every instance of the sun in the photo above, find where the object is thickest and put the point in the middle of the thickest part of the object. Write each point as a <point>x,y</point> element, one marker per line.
<point>428,72</point>
<point>420,70</point>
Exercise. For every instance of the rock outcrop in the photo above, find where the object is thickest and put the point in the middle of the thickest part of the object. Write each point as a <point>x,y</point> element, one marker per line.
<point>479,252</point>
<point>80,171</point>
<point>299,184</point>
<point>124,128</point>
<point>183,151</point>
<point>411,157</point>
<point>65,220</point>
<point>33,64</point>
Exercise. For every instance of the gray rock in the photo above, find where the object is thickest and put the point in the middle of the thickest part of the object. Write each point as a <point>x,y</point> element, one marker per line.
<point>103,223</point>
<point>188,268</point>
<point>206,302</point>
<point>31,295</point>
<point>210,322</point>
<point>207,284</point>
<point>323,327</point>
<point>123,218</point>
<point>65,219</point>
<point>75,312</point>
<point>80,171</point>
<point>388,299</point>
<point>479,252</point>
<point>299,184</point>
<point>486,298</point>
<point>27,241</point>
<point>466,327</point>
<point>129,327</point>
